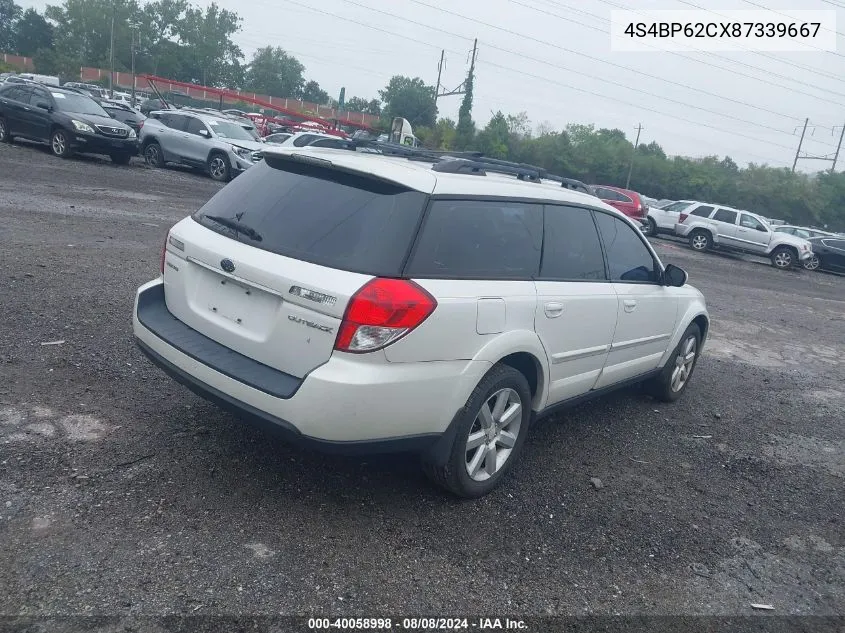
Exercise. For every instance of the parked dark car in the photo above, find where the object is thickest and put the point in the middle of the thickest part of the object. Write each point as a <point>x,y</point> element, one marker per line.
<point>124,114</point>
<point>66,119</point>
<point>149,105</point>
<point>828,254</point>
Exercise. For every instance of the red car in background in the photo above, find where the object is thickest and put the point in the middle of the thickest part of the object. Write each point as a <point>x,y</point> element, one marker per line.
<point>628,202</point>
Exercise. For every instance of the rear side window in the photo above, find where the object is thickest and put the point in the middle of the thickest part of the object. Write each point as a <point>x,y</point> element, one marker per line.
<point>304,140</point>
<point>571,248</point>
<point>321,216</point>
<point>477,239</point>
<point>628,259</point>
<point>676,207</point>
<point>702,211</point>
<point>723,215</point>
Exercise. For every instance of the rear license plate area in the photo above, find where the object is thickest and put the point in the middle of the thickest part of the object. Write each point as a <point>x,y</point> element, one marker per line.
<point>243,305</point>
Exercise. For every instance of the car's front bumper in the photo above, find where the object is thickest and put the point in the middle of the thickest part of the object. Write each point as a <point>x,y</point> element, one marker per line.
<point>352,403</point>
<point>98,144</point>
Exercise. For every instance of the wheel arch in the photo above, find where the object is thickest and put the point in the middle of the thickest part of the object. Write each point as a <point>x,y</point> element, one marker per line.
<point>696,312</point>
<point>522,350</point>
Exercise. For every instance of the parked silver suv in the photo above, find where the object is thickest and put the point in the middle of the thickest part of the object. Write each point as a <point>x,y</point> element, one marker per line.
<point>357,302</point>
<point>710,226</point>
<point>214,143</point>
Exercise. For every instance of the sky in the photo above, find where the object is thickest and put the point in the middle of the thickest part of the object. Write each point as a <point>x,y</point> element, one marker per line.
<point>553,60</point>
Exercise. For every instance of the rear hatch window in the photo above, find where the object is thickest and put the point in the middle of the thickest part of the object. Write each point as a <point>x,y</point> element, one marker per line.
<point>319,215</point>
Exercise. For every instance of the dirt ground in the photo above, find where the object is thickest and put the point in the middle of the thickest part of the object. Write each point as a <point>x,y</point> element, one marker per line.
<point>121,493</point>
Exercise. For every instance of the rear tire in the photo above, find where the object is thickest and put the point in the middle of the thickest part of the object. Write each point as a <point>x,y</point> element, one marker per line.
<point>490,433</point>
<point>672,381</point>
<point>651,229</point>
<point>153,155</point>
<point>218,168</point>
<point>783,258</point>
<point>121,158</point>
<point>5,137</point>
<point>60,144</point>
<point>700,241</point>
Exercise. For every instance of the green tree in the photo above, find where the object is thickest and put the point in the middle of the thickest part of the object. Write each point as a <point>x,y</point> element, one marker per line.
<point>32,32</point>
<point>83,30</point>
<point>493,140</point>
<point>443,135</point>
<point>357,104</point>
<point>9,14</point>
<point>411,99</point>
<point>159,50</point>
<point>48,61</point>
<point>313,93</point>
<point>273,72</point>
<point>465,132</point>
<point>213,58</point>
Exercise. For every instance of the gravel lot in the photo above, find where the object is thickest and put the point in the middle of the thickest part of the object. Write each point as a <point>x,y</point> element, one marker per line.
<point>123,493</point>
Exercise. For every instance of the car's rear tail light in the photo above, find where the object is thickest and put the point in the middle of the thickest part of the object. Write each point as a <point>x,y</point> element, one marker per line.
<point>382,312</point>
<point>683,217</point>
<point>140,125</point>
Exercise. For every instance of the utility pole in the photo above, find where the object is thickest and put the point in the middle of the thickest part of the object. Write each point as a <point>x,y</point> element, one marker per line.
<point>634,153</point>
<point>839,145</point>
<point>798,151</point>
<point>111,54</point>
<point>134,26</point>
<point>439,73</point>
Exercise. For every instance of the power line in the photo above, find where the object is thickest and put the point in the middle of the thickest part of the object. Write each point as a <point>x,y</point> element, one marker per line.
<point>760,78</point>
<point>695,6</point>
<point>588,75</point>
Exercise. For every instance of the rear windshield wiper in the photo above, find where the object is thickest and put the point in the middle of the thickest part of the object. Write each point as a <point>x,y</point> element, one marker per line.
<point>250,232</point>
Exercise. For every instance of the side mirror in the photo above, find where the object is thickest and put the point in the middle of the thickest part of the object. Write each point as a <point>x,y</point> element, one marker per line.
<point>204,133</point>
<point>43,105</point>
<point>674,276</point>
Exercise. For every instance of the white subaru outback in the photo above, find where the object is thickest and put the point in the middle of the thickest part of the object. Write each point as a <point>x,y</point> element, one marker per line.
<point>367,303</point>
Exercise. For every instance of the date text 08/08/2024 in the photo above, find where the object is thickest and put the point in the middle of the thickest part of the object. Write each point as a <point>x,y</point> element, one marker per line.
<point>417,624</point>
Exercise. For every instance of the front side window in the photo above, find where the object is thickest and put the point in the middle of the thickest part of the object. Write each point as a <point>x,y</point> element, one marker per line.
<point>476,239</point>
<point>571,247</point>
<point>195,126</point>
<point>750,222</point>
<point>628,259</point>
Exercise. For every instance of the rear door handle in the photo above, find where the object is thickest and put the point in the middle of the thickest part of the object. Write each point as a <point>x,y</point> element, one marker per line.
<point>630,305</point>
<point>553,309</point>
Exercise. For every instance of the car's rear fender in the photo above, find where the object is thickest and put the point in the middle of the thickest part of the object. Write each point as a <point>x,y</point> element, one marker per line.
<point>521,342</point>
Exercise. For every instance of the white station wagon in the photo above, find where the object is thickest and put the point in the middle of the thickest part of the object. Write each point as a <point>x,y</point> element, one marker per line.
<point>368,303</point>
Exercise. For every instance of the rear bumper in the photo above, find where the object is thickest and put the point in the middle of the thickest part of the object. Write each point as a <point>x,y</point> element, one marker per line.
<point>351,404</point>
<point>682,230</point>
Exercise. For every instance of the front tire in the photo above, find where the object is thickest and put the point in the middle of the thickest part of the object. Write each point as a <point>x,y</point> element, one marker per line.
<point>490,433</point>
<point>673,380</point>
<point>60,144</point>
<point>153,155</point>
<point>812,263</point>
<point>218,168</point>
<point>700,241</point>
<point>783,258</point>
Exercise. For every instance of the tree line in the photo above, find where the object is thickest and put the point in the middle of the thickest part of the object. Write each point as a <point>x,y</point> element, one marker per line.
<point>188,43</point>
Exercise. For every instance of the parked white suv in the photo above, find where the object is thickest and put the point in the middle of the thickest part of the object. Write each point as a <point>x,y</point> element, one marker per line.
<point>712,225</point>
<point>359,302</point>
<point>663,219</point>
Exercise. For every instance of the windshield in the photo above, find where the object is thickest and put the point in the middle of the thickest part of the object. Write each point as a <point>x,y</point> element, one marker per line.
<point>78,104</point>
<point>226,129</point>
<point>677,206</point>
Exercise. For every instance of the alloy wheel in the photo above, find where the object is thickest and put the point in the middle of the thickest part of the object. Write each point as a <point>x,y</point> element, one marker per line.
<point>217,168</point>
<point>783,259</point>
<point>493,434</point>
<point>59,144</point>
<point>684,362</point>
<point>2,130</point>
<point>812,263</point>
<point>699,242</point>
<point>151,155</point>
